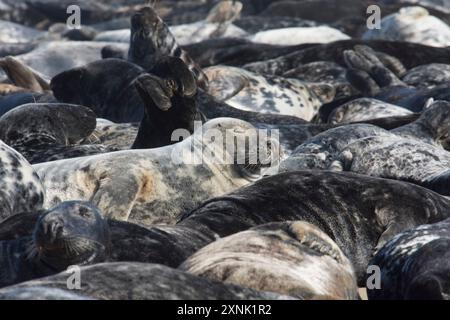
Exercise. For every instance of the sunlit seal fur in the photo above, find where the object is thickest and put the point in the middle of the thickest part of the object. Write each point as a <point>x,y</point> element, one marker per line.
<point>415,265</point>
<point>40,293</point>
<point>359,213</point>
<point>72,233</point>
<point>268,94</point>
<point>412,24</point>
<point>124,281</point>
<point>292,258</point>
<point>154,185</point>
<point>21,188</point>
<point>428,76</point>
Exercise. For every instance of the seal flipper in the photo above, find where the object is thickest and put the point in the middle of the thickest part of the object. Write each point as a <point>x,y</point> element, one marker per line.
<point>22,75</point>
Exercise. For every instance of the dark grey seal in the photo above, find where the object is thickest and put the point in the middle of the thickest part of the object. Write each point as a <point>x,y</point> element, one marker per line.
<point>415,265</point>
<point>359,213</point>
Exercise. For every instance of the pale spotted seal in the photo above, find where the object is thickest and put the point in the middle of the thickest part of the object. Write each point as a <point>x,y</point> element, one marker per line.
<point>412,24</point>
<point>267,94</point>
<point>155,185</point>
<point>415,265</point>
<point>72,233</point>
<point>292,258</point>
<point>124,281</point>
<point>21,188</point>
<point>359,213</point>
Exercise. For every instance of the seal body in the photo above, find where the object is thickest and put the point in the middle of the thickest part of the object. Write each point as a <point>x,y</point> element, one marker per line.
<point>21,188</point>
<point>359,213</point>
<point>268,94</point>
<point>415,264</point>
<point>292,258</point>
<point>161,182</point>
<point>123,281</point>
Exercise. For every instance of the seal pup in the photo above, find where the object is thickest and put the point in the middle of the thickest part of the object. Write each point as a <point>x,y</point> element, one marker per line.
<point>267,94</point>
<point>306,262</point>
<point>72,233</point>
<point>415,265</point>
<point>162,182</point>
<point>412,24</point>
<point>358,212</point>
<point>124,281</point>
<point>150,38</point>
<point>21,188</point>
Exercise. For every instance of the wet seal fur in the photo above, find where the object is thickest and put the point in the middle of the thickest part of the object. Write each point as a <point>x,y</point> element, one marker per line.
<point>415,265</point>
<point>292,258</point>
<point>147,186</point>
<point>359,213</point>
<point>72,233</point>
<point>124,281</point>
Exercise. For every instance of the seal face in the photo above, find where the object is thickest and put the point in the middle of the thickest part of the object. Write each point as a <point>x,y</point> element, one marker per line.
<point>292,258</point>
<point>415,264</point>
<point>72,233</point>
<point>21,188</point>
<point>123,281</point>
<point>359,222</point>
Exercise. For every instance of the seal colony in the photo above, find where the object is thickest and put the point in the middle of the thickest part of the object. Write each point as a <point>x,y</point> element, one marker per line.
<point>225,150</point>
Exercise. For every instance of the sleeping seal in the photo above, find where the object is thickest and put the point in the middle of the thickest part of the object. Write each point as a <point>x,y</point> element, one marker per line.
<point>267,94</point>
<point>412,24</point>
<point>21,188</point>
<point>154,185</point>
<point>124,281</point>
<point>292,258</point>
<point>415,265</point>
<point>72,233</point>
<point>359,213</point>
